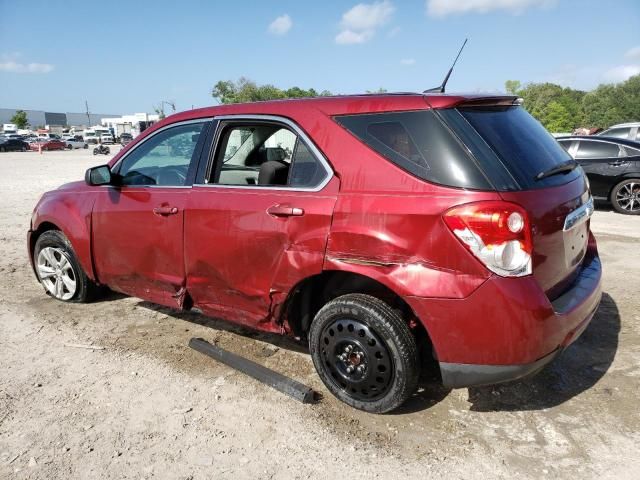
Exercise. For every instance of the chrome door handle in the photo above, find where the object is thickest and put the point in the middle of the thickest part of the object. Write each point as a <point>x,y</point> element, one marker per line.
<point>618,163</point>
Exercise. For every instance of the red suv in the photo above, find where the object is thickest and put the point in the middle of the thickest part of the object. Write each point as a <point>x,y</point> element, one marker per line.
<point>383,229</point>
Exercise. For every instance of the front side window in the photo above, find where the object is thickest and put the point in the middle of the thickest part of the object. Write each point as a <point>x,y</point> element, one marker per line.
<point>163,159</point>
<point>591,150</point>
<point>265,154</point>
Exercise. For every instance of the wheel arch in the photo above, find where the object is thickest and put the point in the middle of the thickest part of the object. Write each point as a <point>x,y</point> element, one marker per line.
<point>621,178</point>
<point>309,295</point>
<point>70,215</point>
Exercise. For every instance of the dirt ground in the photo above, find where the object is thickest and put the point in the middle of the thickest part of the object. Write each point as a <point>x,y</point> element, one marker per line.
<point>147,406</point>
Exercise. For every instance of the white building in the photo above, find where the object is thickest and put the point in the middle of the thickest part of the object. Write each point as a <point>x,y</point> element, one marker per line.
<point>133,124</point>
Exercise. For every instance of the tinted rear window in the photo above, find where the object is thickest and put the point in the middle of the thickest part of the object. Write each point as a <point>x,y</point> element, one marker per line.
<point>521,144</point>
<point>420,143</point>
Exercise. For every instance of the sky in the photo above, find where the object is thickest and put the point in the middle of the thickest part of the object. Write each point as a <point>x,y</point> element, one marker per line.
<point>125,57</point>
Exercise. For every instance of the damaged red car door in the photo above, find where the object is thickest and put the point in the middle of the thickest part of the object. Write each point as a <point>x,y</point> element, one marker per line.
<point>137,224</point>
<point>258,221</point>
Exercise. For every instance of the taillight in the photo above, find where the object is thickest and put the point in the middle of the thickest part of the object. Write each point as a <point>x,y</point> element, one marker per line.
<point>497,233</point>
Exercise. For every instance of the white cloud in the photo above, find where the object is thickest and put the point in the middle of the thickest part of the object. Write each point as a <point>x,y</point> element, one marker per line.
<point>281,25</point>
<point>442,8</point>
<point>349,37</point>
<point>621,73</point>
<point>360,23</point>
<point>633,53</point>
<point>408,61</point>
<point>15,67</point>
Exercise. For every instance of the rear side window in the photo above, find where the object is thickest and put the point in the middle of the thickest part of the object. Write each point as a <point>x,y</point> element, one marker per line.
<point>420,143</point>
<point>519,142</point>
<point>617,132</point>
<point>264,154</point>
<point>589,149</point>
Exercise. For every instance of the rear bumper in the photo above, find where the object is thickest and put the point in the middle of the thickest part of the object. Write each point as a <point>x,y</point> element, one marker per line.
<point>459,375</point>
<point>507,329</point>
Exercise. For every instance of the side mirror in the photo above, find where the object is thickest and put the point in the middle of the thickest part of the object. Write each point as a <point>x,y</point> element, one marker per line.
<point>100,175</point>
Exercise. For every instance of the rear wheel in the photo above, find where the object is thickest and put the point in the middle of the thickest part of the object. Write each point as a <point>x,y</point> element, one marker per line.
<point>69,147</point>
<point>364,353</point>
<point>625,197</point>
<point>59,271</point>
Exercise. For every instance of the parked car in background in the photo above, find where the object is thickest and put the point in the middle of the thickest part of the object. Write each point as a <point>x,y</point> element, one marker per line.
<point>76,142</point>
<point>48,144</point>
<point>126,139</point>
<point>8,144</point>
<point>14,136</point>
<point>106,138</point>
<point>50,136</point>
<point>612,166</point>
<point>629,131</point>
<point>385,230</point>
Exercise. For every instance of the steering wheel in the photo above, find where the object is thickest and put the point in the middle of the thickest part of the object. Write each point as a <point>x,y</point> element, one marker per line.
<point>173,176</point>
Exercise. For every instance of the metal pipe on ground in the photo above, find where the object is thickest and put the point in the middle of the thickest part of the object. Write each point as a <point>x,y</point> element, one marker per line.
<point>276,380</point>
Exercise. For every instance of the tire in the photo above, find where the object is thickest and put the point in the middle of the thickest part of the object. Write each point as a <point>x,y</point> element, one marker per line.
<point>107,151</point>
<point>95,151</point>
<point>362,333</point>
<point>2,149</point>
<point>51,247</point>
<point>69,147</point>
<point>23,149</point>
<point>85,146</point>
<point>625,197</point>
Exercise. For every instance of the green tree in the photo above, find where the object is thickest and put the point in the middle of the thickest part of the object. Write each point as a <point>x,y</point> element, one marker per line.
<point>245,90</point>
<point>512,86</point>
<point>20,119</point>
<point>557,118</point>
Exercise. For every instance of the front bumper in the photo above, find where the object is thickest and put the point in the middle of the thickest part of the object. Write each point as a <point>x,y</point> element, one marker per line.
<point>507,329</point>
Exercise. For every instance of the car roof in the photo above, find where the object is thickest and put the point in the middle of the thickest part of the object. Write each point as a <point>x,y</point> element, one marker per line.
<point>347,104</point>
<point>601,138</point>
<point>630,124</point>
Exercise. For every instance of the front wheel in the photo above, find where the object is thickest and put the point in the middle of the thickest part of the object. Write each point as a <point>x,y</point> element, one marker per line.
<point>364,353</point>
<point>69,147</point>
<point>59,270</point>
<point>625,197</point>
<point>95,151</point>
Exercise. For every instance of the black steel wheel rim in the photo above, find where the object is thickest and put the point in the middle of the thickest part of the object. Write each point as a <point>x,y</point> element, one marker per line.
<point>356,359</point>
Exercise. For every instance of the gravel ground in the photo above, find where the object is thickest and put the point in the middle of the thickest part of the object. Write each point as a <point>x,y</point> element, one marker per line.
<point>144,405</point>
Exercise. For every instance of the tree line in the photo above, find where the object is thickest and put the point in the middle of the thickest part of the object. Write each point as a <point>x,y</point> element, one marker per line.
<point>559,109</point>
<point>563,109</point>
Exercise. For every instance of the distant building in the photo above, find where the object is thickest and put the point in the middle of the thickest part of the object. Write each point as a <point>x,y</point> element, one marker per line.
<point>133,124</point>
<point>40,117</point>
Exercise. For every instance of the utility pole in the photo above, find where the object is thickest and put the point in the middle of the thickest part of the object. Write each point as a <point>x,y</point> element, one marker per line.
<point>86,106</point>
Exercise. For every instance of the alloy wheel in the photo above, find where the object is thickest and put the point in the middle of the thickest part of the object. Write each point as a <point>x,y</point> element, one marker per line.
<point>628,197</point>
<point>56,273</point>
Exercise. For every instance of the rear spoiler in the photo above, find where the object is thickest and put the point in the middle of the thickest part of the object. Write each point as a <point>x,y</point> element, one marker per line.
<point>501,101</point>
<point>473,101</point>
